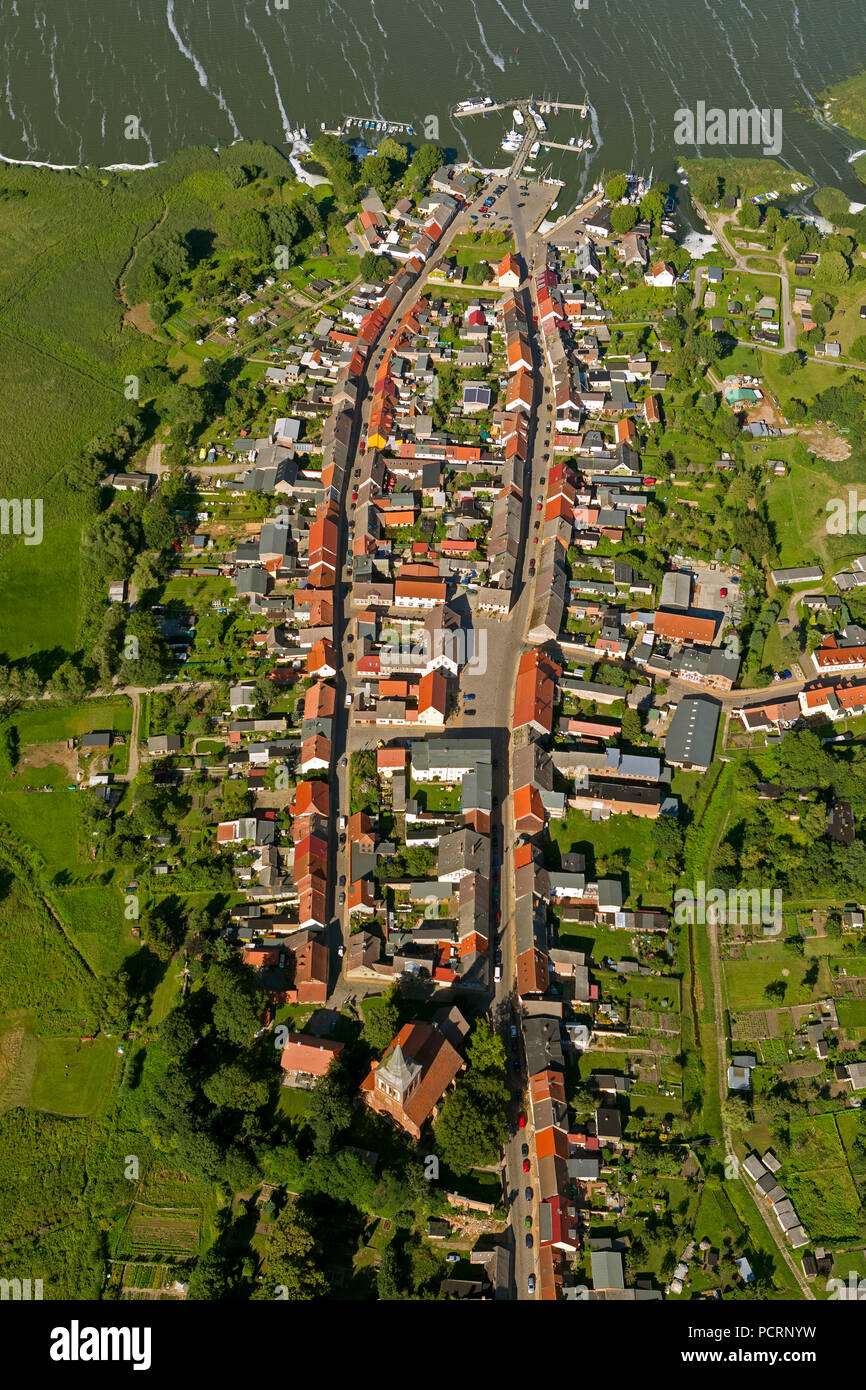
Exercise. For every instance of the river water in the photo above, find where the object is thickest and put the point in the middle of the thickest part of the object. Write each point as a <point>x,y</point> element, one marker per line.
<point>212,71</point>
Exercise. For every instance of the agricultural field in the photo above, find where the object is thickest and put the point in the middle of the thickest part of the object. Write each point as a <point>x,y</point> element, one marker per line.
<point>162,1230</point>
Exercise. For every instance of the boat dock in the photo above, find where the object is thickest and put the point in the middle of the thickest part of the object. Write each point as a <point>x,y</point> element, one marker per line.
<point>480,108</point>
<point>372,124</point>
<point>555,145</point>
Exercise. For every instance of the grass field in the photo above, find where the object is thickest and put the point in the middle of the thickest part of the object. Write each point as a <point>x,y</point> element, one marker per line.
<point>628,837</point>
<point>747,979</point>
<point>752,176</point>
<point>72,1077</point>
<point>848,104</point>
<point>46,722</point>
<point>40,585</point>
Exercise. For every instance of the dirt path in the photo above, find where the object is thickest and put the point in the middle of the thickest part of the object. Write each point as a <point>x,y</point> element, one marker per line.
<point>132,768</point>
<point>121,286</point>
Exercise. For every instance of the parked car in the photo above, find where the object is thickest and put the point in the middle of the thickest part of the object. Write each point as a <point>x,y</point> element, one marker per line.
<point>527,1223</point>
<point>528,1242</point>
<point>526,1165</point>
<point>521,1121</point>
<point>724,593</point>
<point>342,899</point>
<point>524,1149</point>
<point>530,1284</point>
<point>497,974</point>
<point>342,880</point>
<point>527,1192</point>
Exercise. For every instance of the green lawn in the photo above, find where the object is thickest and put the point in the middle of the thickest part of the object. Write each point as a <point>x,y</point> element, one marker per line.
<point>629,837</point>
<point>72,1077</point>
<point>747,980</point>
<point>48,722</point>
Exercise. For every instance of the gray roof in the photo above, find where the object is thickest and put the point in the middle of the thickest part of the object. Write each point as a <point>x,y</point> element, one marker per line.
<point>607,1269</point>
<point>448,754</point>
<point>399,1069</point>
<point>692,735</point>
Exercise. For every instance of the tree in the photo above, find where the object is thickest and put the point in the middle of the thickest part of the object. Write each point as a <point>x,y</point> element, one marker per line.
<point>668,841</point>
<point>375,268</point>
<point>426,160</point>
<point>67,683</point>
<point>381,1021</point>
<point>146,653</point>
<point>632,731</point>
<point>251,232</point>
<point>330,1108</point>
<point>160,527</point>
<point>485,1050</point>
<point>157,935</point>
<point>172,256</point>
<point>652,204</point>
<point>387,1277</point>
<point>185,408</point>
<point>833,269</point>
<point>393,150</point>
<point>235,1011</point>
<point>212,1276</point>
<point>17,683</point>
<point>234,1088</point>
<point>790,363</point>
<point>176,1034</point>
<point>616,188</point>
<point>468,1135</point>
<point>290,1258</point>
<point>623,218</point>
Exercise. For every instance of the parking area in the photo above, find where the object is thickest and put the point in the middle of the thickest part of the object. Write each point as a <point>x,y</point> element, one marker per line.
<point>715,589</point>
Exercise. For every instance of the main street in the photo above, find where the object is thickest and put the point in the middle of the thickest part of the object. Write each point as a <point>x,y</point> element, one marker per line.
<point>492,684</point>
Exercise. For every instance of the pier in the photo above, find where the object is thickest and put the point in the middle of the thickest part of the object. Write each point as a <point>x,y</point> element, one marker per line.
<point>478,109</point>
<point>555,145</point>
<point>375,126</point>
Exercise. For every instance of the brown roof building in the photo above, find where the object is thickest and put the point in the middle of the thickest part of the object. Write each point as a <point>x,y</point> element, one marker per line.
<point>413,1076</point>
<point>686,625</point>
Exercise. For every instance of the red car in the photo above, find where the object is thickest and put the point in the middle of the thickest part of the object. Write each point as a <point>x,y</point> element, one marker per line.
<point>521,1121</point>
<point>526,1165</point>
<point>538,506</point>
<point>724,593</point>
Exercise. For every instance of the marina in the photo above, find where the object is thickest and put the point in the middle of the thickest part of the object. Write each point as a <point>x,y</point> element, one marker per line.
<point>369,123</point>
